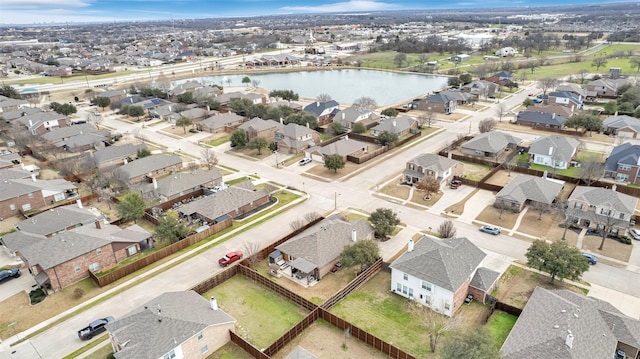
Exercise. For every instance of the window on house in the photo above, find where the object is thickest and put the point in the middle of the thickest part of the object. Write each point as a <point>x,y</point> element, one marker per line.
<point>411,167</point>
<point>132,250</point>
<point>605,211</point>
<point>94,266</point>
<point>76,268</point>
<point>170,355</point>
<point>624,167</point>
<point>447,306</point>
<point>404,289</point>
<point>577,205</point>
<point>99,251</point>
<point>426,285</point>
<point>26,207</point>
<point>12,207</point>
<point>204,349</point>
<point>411,292</point>
<point>399,288</point>
<point>200,336</point>
<point>30,195</point>
<point>405,276</point>
<point>621,216</point>
<point>427,299</point>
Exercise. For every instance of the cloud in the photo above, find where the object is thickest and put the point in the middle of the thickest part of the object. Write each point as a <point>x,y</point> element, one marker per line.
<point>354,5</point>
<point>47,3</point>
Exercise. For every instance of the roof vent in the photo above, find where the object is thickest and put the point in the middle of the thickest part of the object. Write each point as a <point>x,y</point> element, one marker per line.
<point>556,326</point>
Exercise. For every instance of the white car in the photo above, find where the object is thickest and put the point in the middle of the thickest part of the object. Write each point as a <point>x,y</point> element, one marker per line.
<point>635,234</point>
<point>304,161</point>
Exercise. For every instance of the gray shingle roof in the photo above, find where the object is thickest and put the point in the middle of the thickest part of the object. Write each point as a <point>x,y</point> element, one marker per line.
<point>395,124</point>
<point>484,279</point>
<point>148,164</point>
<point>7,174</point>
<point>222,202</point>
<point>158,326</point>
<point>625,153</point>
<point>544,118</point>
<point>342,148</point>
<point>524,187</point>
<point>221,120</point>
<point>60,248</point>
<point>117,152</point>
<point>58,219</point>
<point>259,124</point>
<point>300,353</point>
<point>622,121</point>
<point>324,242</point>
<point>492,142</point>
<point>317,108</point>
<point>66,132</point>
<point>562,148</point>
<point>607,198</point>
<point>447,263</point>
<point>545,322</point>
<point>184,181</point>
<point>433,162</point>
<point>12,189</point>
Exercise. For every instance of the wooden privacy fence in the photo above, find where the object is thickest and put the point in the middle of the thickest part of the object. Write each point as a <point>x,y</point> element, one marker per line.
<point>276,288</point>
<point>355,283</point>
<point>292,333</point>
<point>247,347</point>
<point>102,280</point>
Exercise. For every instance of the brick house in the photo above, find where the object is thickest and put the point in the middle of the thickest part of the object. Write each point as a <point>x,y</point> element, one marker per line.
<point>399,126</point>
<point>427,165</point>
<point>441,273</point>
<point>622,126</point>
<point>602,208</point>
<point>324,111</point>
<point>294,138</point>
<point>623,163</point>
<point>145,168</point>
<point>525,190</point>
<point>42,122</point>
<point>162,328</point>
<point>16,198</point>
<point>257,127</point>
<point>438,103</point>
<point>490,144</point>
<point>224,122</point>
<point>116,155</point>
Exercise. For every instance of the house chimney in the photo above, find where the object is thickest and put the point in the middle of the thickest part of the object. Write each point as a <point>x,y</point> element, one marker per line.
<point>449,155</point>
<point>354,235</point>
<point>30,123</point>
<point>553,116</point>
<point>281,121</point>
<point>79,202</point>
<point>125,160</point>
<point>155,183</point>
<point>343,114</point>
<point>569,340</point>
<point>307,124</point>
<point>33,177</point>
<point>550,150</point>
<point>614,187</point>
<point>410,246</point>
<point>98,226</point>
<point>213,303</point>
<point>318,104</point>
<point>394,123</point>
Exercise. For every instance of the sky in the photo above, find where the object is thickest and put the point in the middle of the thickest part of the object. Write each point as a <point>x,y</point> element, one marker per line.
<point>74,11</point>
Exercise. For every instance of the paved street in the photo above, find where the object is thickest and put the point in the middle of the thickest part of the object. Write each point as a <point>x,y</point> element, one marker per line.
<point>353,192</point>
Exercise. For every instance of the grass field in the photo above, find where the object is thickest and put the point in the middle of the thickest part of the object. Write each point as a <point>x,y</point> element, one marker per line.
<point>262,315</point>
<point>500,324</point>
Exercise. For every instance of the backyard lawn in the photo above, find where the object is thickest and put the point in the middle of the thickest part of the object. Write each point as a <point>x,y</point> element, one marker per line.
<point>262,315</point>
<point>500,324</point>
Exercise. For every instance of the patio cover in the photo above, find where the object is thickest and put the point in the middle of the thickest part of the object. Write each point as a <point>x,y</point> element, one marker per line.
<point>303,265</point>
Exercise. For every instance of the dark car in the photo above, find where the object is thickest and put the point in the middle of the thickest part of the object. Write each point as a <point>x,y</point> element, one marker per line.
<point>468,299</point>
<point>230,258</point>
<point>490,229</point>
<point>590,257</point>
<point>94,328</point>
<point>9,274</point>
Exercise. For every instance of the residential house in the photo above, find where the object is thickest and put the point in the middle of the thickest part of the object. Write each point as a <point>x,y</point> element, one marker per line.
<point>564,324</point>
<point>255,98</point>
<point>607,88</point>
<point>623,163</point>
<point>66,258</point>
<point>344,148</point>
<point>235,201</point>
<point>207,91</point>
<point>39,123</point>
<point>501,78</point>
<point>522,190</point>
<point>167,112</point>
<point>565,98</point>
<point>354,114</point>
<point>194,114</point>
<point>58,220</point>
<point>60,136</point>
<point>440,273</point>
<point>506,51</point>
<point>257,127</point>
<point>553,151</point>
<point>21,195</point>
<point>324,111</point>
<point>542,119</point>
<point>173,325</point>
<point>113,95</point>
<point>480,88</point>
<point>313,252</point>
<point>461,97</point>
<point>224,122</point>
<point>145,168</point>
<point>429,165</point>
<point>11,104</point>
<point>11,116</point>
<point>459,58</point>
<point>602,208</point>
<point>188,86</point>
<point>183,183</point>
<point>559,110</point>
<point>293,138</point>
<point>116,155</point>
<point>490,144</point>
<point>573,88</point>
<point>622,126</point>
<point>399,126</point>
<point>438,103</point>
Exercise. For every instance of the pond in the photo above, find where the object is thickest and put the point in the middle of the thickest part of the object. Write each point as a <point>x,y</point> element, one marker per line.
<point>344,86</point>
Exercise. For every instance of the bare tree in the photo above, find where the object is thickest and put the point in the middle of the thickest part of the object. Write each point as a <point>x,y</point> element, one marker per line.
<point>365,103</point>
<point>541,208</point>
<point>562,207</point>
<point>605,219</point>
<point>311,216</point>
<point>105,194</point>
<point>436,325</point>
<point>501,110</point>
<point>591,169</point>
<point>501,206</point>
<point>446,229</point>
<point>255,83</point>
<point>547,84</point>
<point>582,75</point>
<point>251,252</point>
<point>296,224</point>
<point>509,165</point>
<point>323,97</point>
<point>487,125</point>
<point>209,157</point>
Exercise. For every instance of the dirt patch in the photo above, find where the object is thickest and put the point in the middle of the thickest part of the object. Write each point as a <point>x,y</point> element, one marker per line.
<point>612,248</point>
<point>501,178</point>
<point>326,341</point>
<point>397,190</point>
<point>566,191</point>
<point>516,285</point>
<point>419,197</point>
<point>505,125</point>
<point>490,214</point>
<point>321,171</point>
<point>475,172</point>
<point>556,232</point>
<point>178,131</point>
<point>537,225</point>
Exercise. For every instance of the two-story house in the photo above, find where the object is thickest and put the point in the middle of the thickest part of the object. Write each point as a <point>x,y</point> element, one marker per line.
<point>566,98</point>
<point>173,325</point>
<point>438,103</point>
<point>441,273</point>
<point>622,126</point>
<point>257,127</point>
<point>604,87</point>
<point>602,208</point>
<point>354,114</point>
<point>399,126</point>
<point>324,111</point>
<point>429,165</point>
<point>623,163</point>
<point>554,151</point>
<point>293,138</point>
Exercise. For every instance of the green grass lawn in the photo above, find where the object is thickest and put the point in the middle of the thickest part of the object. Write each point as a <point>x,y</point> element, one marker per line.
<point>569,172</point>
<point>262,315</point>
<point>218,141</point>
<point>612,49</point>
<point>574,68</point>
<point>500,324</point>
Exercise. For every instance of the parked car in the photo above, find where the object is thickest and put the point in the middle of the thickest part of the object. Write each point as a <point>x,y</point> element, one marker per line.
<point>94,328</point>
<point>468,299</point>
<point>336,267</point>
<point>304,161</point>
<point>537,100</point>
<point>229,258</point>
<point>490,229</point>
<point>590,257</point>
<point>455,183</point>
<point>635,234</point>
<point>9,274</point>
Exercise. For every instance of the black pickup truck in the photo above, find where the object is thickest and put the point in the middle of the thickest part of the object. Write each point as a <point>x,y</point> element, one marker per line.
<point>94,328</point>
